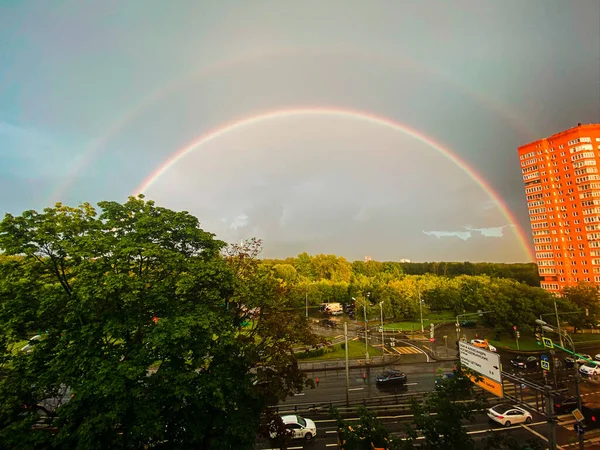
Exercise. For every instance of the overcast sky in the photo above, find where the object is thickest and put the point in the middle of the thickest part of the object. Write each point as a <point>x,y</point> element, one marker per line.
<point>95,96</point>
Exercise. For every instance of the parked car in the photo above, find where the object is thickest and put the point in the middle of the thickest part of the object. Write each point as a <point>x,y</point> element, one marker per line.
<point>580,359</point>
<point>468,324</point>
<point>524,362</point>
<point>391,378</point>
<point>564,404</point>
<point>597,357</point>
<point>590,368</point>
<point>299,427</point>
<point>508,415</point>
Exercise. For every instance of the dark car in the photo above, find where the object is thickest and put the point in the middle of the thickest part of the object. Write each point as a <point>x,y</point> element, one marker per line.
<point>468,324</point>
<point>439,381</point>
<point>524,362</point>
<point>564,404</point>
<point>391,378</point>
<point>328,323</point>
<point>580,359</point>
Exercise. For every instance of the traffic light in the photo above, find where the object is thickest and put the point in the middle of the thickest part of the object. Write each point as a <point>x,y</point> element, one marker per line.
<point>538,338</point>
<point>518,334</point>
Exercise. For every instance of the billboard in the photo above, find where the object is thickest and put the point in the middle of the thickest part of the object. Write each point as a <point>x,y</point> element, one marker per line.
<point>485,363</point>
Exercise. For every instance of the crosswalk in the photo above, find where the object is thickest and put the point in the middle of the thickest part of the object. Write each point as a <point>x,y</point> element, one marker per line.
<point>406,350</point>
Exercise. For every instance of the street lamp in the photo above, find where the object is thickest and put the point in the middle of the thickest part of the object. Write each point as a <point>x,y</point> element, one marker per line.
<point>550,328</point>
<point>366,338</point>
<point>421,309</point>
<point>382,341</point>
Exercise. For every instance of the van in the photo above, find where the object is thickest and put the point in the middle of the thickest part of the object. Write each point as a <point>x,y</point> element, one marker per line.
<point>334,308</point>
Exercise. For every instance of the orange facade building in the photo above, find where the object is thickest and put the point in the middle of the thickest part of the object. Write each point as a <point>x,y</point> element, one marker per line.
<point>562,185</point>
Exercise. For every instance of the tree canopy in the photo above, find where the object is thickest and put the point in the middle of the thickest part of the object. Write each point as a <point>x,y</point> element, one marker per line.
<point>152,332</point>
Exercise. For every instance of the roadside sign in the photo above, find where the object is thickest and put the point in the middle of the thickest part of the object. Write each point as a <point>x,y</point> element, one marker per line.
<point>545,365</point>
<point>579,428</point>
<point>548,342</point>
<point>481,361</point>
<point>489,385</point>
<point>544,357</point>
<point>578,415</point>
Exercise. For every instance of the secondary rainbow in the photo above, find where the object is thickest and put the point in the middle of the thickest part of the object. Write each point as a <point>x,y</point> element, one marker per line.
<point>340,113</point>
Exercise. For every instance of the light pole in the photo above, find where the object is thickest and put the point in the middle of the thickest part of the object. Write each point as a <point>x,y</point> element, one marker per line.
<point>547,327</point>
<point>382,341</point>
<point>366,338</point>
<point>421,309</point>
<point>306,301</point>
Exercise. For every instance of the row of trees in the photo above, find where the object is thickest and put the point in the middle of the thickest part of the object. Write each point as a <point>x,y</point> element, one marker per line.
<point>335,268</point>
<point>512,302</point>
<point>146,336</point>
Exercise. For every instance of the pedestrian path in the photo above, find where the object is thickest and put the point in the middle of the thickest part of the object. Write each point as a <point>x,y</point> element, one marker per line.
<point>406,350</point>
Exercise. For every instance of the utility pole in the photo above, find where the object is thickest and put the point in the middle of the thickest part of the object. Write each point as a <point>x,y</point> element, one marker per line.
<point>347,373</point>
<point>421,309</point>
<point>558,325</point>
<point>306,301</point>
<point>382,341</point>
<point>551,420</point>
<point>366,337</point>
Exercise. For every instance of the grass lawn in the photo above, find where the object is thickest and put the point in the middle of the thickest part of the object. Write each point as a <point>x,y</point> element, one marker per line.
<point>356,350</point>
<point>444,316</point>
<point>526,343</point>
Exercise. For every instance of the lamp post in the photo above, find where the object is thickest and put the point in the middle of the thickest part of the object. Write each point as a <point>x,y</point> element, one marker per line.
<point>546,327</point>
<point>366,338</point>
<point>382,341</point>
<point>306,301</point>
<point>421,308</point>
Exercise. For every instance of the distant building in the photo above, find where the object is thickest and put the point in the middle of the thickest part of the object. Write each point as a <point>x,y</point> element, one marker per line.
<point>368,258</point>
<point>404,260</point>
<point>562,186</point>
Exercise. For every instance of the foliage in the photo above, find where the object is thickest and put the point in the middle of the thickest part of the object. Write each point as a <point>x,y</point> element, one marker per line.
<point>144,342</point>
<point>445,428</point>
<point>584,300</point>
<point>369,432</point>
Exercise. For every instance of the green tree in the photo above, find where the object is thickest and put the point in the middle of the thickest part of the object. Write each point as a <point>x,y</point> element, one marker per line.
<point>142,327</point>
<point>584,299</point>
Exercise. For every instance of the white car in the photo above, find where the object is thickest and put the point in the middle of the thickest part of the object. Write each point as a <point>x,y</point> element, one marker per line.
<point>508,415</point>
<point>29,347</point>
<point>299,427</point>
<point>590,368</point>
<point>597,357</point>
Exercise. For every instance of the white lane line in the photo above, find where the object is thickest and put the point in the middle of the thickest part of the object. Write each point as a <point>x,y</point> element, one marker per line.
<point>356,389</point>
<point>298,395</point>
<point>411,384</point>
<point>330,445</point>
<point>331,431</point>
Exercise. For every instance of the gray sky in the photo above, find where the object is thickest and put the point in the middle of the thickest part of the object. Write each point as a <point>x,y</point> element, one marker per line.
<point>95,96</point>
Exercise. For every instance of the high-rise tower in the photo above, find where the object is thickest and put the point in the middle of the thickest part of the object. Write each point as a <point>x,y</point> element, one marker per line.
<point>562,185</point>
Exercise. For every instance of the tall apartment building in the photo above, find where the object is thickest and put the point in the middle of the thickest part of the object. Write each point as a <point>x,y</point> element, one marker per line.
<point>562,185</point>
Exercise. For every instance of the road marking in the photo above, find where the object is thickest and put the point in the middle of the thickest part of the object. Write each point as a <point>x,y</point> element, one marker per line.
<point>405,350</point>
<point>298,395</point>
<point>356,389</point>
<point>411,384</point>
<point>541,436</point>
<point>420,351</point>
<point>331,431</point>
<point>330,445</point>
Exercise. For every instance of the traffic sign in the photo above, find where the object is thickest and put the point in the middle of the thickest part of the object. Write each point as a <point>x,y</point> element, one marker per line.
<point>548,342</point>
<point>579,428</point>
<point>578,415</point>
<point>481,361</point>
<point>545,365</point>
<point>544,357</point>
